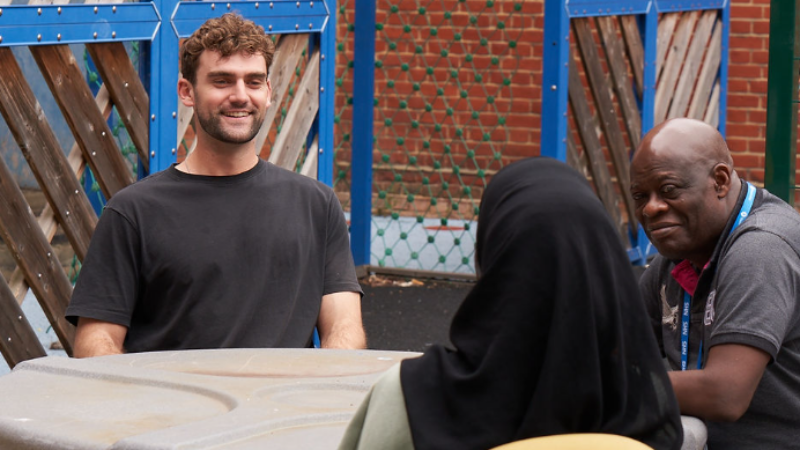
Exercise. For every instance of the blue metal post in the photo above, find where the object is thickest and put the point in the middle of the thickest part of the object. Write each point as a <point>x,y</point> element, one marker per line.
<point>363,98</point>
<point>723,67</point>
<point>642,246</point>
<point>327,66</point>
<point>554,80</point>
<point>650,56</point>
<point>163,91</point>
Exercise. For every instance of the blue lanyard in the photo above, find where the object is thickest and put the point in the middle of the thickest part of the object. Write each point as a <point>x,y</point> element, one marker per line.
<point>687,299</point>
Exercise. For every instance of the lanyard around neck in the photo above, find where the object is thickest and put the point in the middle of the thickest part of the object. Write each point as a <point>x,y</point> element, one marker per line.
<point>687,299</point>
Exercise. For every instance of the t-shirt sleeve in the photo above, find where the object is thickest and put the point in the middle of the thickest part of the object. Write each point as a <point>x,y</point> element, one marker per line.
<point>107,286</point>
<point>756,296</point>
<point>648,286</point>
<point>340,272</point>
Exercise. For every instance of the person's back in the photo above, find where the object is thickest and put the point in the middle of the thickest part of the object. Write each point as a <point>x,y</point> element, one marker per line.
<point>553,338</point>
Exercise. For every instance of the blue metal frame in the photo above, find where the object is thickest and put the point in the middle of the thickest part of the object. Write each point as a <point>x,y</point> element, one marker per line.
<point>556,56</point>
<point>554,80</point>
<point>72,24</point>
<point>363,98</point>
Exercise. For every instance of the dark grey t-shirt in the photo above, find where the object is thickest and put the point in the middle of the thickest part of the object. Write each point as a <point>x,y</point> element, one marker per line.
<point>751,299</point>
<point>187,261</point>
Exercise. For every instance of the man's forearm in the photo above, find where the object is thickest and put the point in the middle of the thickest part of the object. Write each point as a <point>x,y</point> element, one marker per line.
<point>98,346</point>
<point>98,338</point>
<point>722,391</point>
<point>345,335</point>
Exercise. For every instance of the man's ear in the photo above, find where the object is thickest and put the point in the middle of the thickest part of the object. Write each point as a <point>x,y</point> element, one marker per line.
<point>186,92</point>
<point>269,93</point>
<point>722,174</point>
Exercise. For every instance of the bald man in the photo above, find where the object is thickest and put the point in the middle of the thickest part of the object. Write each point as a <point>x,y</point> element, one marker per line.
<point>723,292</point>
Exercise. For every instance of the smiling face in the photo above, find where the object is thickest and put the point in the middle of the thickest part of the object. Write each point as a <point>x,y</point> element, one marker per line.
<point>230,97</point>
<point>681,191</point>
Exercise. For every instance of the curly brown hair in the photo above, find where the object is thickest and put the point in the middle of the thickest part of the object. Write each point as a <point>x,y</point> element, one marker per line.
<point>228,35</point>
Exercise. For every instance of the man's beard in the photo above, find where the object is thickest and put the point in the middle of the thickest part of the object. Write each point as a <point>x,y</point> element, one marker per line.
<point>212,125</point>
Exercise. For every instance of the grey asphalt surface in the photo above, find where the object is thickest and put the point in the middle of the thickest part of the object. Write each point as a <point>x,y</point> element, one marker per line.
<point>410,318</point>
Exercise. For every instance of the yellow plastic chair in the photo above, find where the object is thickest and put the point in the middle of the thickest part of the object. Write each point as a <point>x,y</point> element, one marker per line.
<point>580,441</point>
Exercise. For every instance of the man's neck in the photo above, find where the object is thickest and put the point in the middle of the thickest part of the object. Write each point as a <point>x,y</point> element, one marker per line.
<point>220,160</point>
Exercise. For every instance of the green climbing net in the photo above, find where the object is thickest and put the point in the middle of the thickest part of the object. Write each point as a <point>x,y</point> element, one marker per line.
<point>444,89</point>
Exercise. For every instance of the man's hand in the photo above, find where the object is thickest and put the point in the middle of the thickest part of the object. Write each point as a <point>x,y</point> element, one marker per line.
<point>98,338</point>
<point>723,389</point>
<point>339,321</point>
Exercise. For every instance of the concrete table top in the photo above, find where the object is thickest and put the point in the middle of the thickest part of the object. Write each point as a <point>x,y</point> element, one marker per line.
<point>199,399</point>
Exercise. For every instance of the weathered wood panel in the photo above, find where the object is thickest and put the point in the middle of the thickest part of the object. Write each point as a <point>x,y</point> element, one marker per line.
<point>618,65</point>
<point>309,168</point>
<point>77,104</point>
<point>587,130</point>
<point>299,119</point>
<point>606,111</point>
<point>41,149</point>
<point>46,220</point>
<point>666,85</point>
<point>287,54</point>
<point>712,113</point>
<point>708,75</point>
<point>127,93</point>
<point>666,29</point>
<point>691,66</point>
<point>18,341</point>
<point>34,255</point>
<point>633,43</point>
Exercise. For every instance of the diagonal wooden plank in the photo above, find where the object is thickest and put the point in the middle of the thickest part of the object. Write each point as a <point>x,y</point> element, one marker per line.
<point>712,113</point>
<point>41,149</point>
<point>617,63</point>
<point>287,55</point>
<point>18,341</point>
<point>34,255</point>
<point>666,30</point>
<point>127,93</point>
<point>62,74</point>
<point>691,66</point>
<point>587,130</point>
<point>574,159</point>
<point>666,85</point>
<point>299,119</point>
<point>309,168</point>
<point>606,112</point>
<point>633,44</point>
<point>708,75</point>
<point>46,220</point>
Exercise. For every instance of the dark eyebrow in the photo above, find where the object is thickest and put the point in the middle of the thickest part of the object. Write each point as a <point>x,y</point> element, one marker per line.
<point>229,74</point>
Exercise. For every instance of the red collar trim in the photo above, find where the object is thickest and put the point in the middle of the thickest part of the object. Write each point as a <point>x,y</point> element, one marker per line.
<point>686,276</point>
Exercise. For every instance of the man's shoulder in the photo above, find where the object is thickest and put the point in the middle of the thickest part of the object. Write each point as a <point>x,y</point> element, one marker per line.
<point>140,190</point>
<point>773,217</point>
<point>290,181</point>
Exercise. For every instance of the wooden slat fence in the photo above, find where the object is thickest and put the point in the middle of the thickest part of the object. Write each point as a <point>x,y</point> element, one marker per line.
<point>295,85</point>
<point>606,86</point>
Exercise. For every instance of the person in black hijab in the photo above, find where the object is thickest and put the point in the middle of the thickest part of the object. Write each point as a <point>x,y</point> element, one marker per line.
<point>553,338</point>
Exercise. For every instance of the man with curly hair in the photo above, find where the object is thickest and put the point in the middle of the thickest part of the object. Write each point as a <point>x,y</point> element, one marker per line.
<point>223,249</point>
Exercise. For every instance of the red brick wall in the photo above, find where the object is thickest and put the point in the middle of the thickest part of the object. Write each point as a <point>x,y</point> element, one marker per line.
<point>747,85</point>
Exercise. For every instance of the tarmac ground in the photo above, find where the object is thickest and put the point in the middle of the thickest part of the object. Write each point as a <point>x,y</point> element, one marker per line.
<point>409,314</point>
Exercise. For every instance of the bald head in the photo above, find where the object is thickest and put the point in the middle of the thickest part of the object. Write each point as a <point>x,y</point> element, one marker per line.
<point>684,188</point>
<point>694,140</point>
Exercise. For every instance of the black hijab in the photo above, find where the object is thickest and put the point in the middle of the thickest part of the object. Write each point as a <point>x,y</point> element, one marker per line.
<point>553,338</point>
